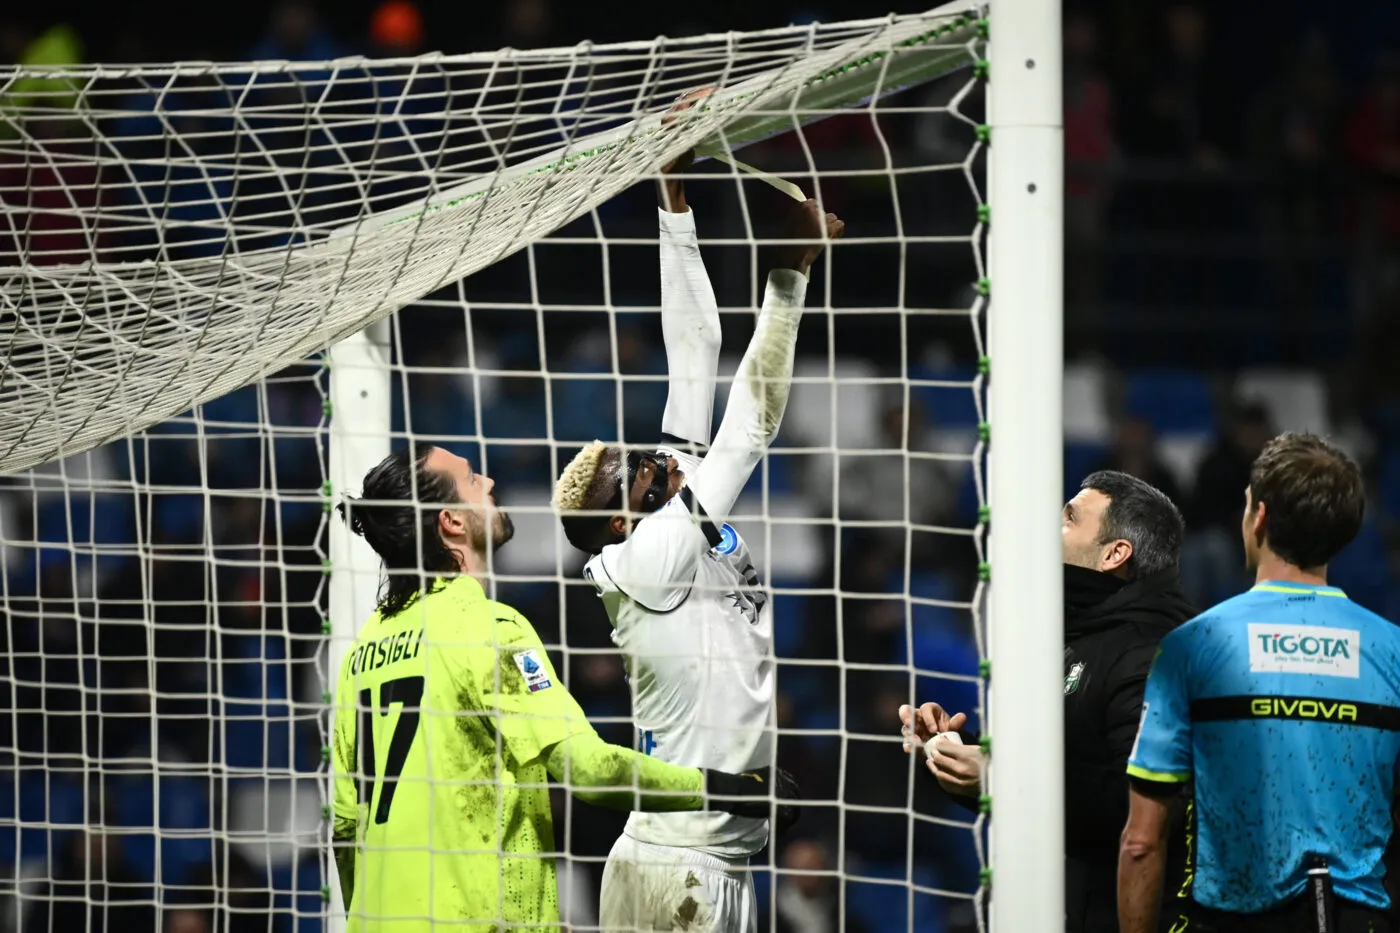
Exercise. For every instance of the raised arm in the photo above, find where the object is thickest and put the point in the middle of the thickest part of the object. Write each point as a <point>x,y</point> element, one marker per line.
<point>689,313</point>
<point>759,395</point>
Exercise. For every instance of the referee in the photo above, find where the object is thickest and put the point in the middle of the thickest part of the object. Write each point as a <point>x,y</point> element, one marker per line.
<point>1281,709</point>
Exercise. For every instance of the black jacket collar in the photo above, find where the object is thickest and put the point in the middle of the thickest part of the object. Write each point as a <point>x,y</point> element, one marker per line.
<point>1096,601</point>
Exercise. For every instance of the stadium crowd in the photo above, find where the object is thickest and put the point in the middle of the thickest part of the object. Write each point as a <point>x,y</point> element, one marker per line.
<point>1232,236</point>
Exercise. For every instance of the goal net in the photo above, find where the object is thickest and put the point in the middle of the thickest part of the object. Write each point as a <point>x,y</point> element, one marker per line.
<point>180,247</point>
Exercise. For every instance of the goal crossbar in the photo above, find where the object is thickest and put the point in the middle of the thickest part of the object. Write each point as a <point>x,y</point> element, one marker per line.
<point>98,349</point>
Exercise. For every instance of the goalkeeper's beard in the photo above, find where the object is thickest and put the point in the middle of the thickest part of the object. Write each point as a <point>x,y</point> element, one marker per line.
<point>490,530</point>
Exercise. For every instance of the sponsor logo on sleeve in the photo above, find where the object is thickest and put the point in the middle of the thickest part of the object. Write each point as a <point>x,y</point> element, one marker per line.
<point>728,539</point>
<point>1304,649</point>
<point>535,673</point>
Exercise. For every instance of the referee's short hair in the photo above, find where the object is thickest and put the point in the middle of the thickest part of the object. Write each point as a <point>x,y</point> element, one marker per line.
<point>1314,495</point>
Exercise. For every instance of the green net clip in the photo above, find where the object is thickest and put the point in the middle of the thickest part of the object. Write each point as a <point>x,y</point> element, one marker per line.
<point>984,668</point>
<point>325,753</point>
<point>984,213</point>
<point>326,812</point>
<point>986,745</point>
<point>327,697</point>
<point>986,876</point>
<point>982,70</point>
<point>984,286</point>
<point>327,491</point>
<point>984,28</point>
<point>325,893</point>
<point>325,408</point>
<point>984,133</point>
<point>984,805</point>
<point>984,365</point>
<point>326,626</point>
<point>984,432</point>
<point>984,571</point>
<point>984,514</point>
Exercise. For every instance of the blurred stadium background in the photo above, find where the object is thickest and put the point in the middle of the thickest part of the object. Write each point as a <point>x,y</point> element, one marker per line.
<point>1233,269</point>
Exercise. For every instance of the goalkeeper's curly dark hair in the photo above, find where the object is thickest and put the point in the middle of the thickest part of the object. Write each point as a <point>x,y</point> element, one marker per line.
<point>394,514</point>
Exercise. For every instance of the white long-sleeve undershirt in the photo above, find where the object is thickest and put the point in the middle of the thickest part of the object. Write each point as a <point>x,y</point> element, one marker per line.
<point>757,399</point>
<point>690,328</point>
<point>657,563</point>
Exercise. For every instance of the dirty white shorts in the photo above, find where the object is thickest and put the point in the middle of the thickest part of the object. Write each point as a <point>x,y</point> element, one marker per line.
<point>649,887</point>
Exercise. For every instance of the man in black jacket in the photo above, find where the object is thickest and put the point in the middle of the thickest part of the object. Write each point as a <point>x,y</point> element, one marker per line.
<point>1122,543</point>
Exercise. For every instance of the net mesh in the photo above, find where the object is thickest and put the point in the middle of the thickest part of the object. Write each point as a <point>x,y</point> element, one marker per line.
<point>180,242</point>
<point>176,232</point>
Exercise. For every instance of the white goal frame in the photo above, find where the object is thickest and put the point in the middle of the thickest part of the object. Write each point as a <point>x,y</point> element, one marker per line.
<point>1025,628</point>
<point>1025,603</point>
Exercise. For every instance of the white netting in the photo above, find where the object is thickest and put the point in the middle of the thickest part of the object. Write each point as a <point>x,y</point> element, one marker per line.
<point>176,232</point>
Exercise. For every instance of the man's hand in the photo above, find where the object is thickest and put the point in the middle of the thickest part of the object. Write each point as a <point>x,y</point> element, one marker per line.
<point>671,190</point>
<point>957,767</point>
<point>809,229</point>
<point>928,721</point>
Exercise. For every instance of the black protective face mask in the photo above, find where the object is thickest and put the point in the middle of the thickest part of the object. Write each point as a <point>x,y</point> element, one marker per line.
<point>655,495</point>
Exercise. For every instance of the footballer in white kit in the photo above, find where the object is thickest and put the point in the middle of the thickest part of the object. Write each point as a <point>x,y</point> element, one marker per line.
<point>687,607</point>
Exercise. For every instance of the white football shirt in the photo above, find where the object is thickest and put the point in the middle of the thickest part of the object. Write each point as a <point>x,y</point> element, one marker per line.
<point>689,614</point>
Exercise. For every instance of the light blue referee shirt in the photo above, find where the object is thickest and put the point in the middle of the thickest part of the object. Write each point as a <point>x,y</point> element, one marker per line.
<point>1283,706</point>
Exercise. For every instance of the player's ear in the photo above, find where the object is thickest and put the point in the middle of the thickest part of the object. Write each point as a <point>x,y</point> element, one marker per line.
<point>1259,522</point>
<point>618,525</point>
<point>452,522</point>
<point>1115,555</point>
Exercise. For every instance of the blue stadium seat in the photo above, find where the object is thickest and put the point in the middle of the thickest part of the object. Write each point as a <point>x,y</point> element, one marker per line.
<point>789,614</point>
<point>946,406</point>
<point>179,517</point>
<point>183,827</point>
<point>1173,401</point>
<point>762,885</point>
<point>780,469</point>
<point>819,716</point>
<point>1362,569</point>
<point>1390,483</point>
<point>87,520</point>
<point>256,716</point>
<point>942,641</point>
<point>47,801</point>
<point>886,906</point>
<point>584,409</point>
<point>297,902</point>
<point>1079,460</point>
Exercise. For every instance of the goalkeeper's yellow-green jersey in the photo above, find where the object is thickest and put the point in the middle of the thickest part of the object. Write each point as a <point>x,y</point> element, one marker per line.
<point>443,715</point>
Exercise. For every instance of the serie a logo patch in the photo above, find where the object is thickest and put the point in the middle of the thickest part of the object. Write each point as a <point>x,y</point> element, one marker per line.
<point>535,673</point>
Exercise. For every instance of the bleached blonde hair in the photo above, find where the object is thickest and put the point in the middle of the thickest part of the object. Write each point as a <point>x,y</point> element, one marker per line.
<point>588,484</point>
<point>571,491</point>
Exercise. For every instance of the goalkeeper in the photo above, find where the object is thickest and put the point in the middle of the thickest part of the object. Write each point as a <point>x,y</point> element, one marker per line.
<point>450,721</point>
<point>680,588</point>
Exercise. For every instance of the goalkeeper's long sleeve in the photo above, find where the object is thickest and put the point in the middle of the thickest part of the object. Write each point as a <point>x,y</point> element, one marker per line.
<point>621,779</point>
<point>757,399</point>
<point>691,330</point>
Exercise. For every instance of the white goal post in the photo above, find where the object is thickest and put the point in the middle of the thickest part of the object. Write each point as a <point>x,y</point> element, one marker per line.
<point>1026,607</point>
<point>186,231</point>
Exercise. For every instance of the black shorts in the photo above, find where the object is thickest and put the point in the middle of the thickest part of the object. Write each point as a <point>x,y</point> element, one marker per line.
<point>1294,917</point>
